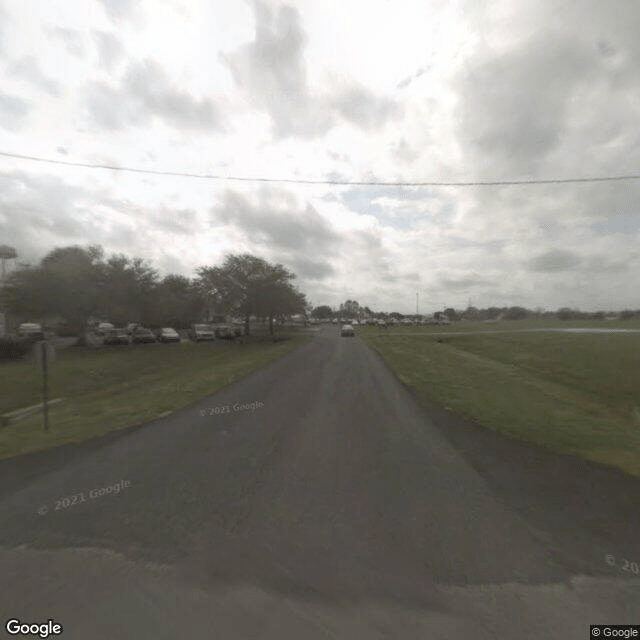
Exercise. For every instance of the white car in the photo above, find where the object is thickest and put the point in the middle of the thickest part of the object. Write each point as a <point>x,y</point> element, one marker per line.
<point>103,327</point>
<point>31,330</point>
<point>347,331</point>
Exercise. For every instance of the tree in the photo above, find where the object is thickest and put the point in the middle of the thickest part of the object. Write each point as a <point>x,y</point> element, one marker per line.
<point>451,313</point>
<point>471,313</point>
<point>64,285</point>
<point>516,313</point>
<point>350,309</point>
<point>127,290</point>
<point>176,302</point>
<point>6,253</point>
<point>565,313</point>
<point>250,286</point>
<point>29,293</point>
<point>322,312</point>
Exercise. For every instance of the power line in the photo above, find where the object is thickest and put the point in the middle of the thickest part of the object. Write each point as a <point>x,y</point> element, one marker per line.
<point>207,176</point>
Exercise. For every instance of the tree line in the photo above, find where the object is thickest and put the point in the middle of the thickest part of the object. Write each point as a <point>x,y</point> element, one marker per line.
<point>351,309</point>
<point>74,284</point>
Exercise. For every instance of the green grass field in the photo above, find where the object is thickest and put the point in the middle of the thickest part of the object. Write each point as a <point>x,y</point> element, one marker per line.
<point>574,393</point>
<point>113,387</point>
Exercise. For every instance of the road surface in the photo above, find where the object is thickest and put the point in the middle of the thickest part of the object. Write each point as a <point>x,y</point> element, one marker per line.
<point>317,499</point>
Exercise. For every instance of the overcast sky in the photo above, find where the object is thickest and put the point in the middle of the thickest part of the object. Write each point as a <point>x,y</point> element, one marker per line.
<point>378,91</point>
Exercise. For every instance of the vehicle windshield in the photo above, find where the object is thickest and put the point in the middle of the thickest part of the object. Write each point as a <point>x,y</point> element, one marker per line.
<point>384,377</point>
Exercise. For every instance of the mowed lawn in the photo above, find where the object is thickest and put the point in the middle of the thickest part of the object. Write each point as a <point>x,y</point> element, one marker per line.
<point>575,393</point>
<point>113,387</point>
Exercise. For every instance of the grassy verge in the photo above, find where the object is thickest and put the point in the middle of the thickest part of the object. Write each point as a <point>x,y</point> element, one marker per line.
<point>113,387</point>
<point>514,325</point>
<point>573,393</point>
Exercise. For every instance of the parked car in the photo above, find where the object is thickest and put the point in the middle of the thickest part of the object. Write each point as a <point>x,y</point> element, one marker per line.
<point>224,332</point>
<point>142,335</point>
<point>131,327</point>
<point>31,330</point>
<point>382,324</point>
<point>115,336</point>
<point>199,332</point>
<point>347,331</point>
<point>238,329</point>
<point>103,327</point>
<point>168,334</point>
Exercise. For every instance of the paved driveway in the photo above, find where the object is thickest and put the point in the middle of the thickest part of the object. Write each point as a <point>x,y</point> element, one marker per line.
<point>317,499</point>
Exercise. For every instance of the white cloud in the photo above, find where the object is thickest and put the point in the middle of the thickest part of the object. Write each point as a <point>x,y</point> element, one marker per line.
<point>471,91</point>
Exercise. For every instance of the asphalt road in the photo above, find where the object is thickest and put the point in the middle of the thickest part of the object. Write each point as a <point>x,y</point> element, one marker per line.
<point>317,499</point>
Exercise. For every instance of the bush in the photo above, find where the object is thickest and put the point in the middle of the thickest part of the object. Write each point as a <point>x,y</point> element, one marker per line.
<point>15,348</point>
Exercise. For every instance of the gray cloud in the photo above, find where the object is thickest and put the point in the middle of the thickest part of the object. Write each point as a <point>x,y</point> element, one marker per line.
<point>145,92</point>
<point>71,38</point>
<point>180,221</point>
<point>512,107</point>
<point>119,10</point>
<point>110,49</point>
<point>272,73</point>
<point>604,264</point>
<point>311,269</point>
<point>42,211</point>
<point>461,284</point>
<point>403,152</point>
<point>276,222</point>
<point>338,157</point>
<point>13,110</point>
<point>29,69</point>
<point>362,108</point>
<point>405,82</point>
<point>554,260</point>
<point>374,260</point>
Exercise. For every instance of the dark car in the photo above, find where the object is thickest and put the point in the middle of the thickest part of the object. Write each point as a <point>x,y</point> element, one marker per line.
<point>115,336</point>
<point>199,332</point>
<point>224,332</point>
<point>238,329</point>
<point>167,334</point>
<point>142,335</point>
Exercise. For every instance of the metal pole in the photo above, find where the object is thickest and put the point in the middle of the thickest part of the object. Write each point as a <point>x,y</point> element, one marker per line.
<point>45,391</point>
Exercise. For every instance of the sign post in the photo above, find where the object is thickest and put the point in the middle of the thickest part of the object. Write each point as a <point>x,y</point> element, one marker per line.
<point>45,354</point>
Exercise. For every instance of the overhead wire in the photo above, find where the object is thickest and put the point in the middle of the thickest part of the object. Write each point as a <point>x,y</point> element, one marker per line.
<point>434,183</point>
